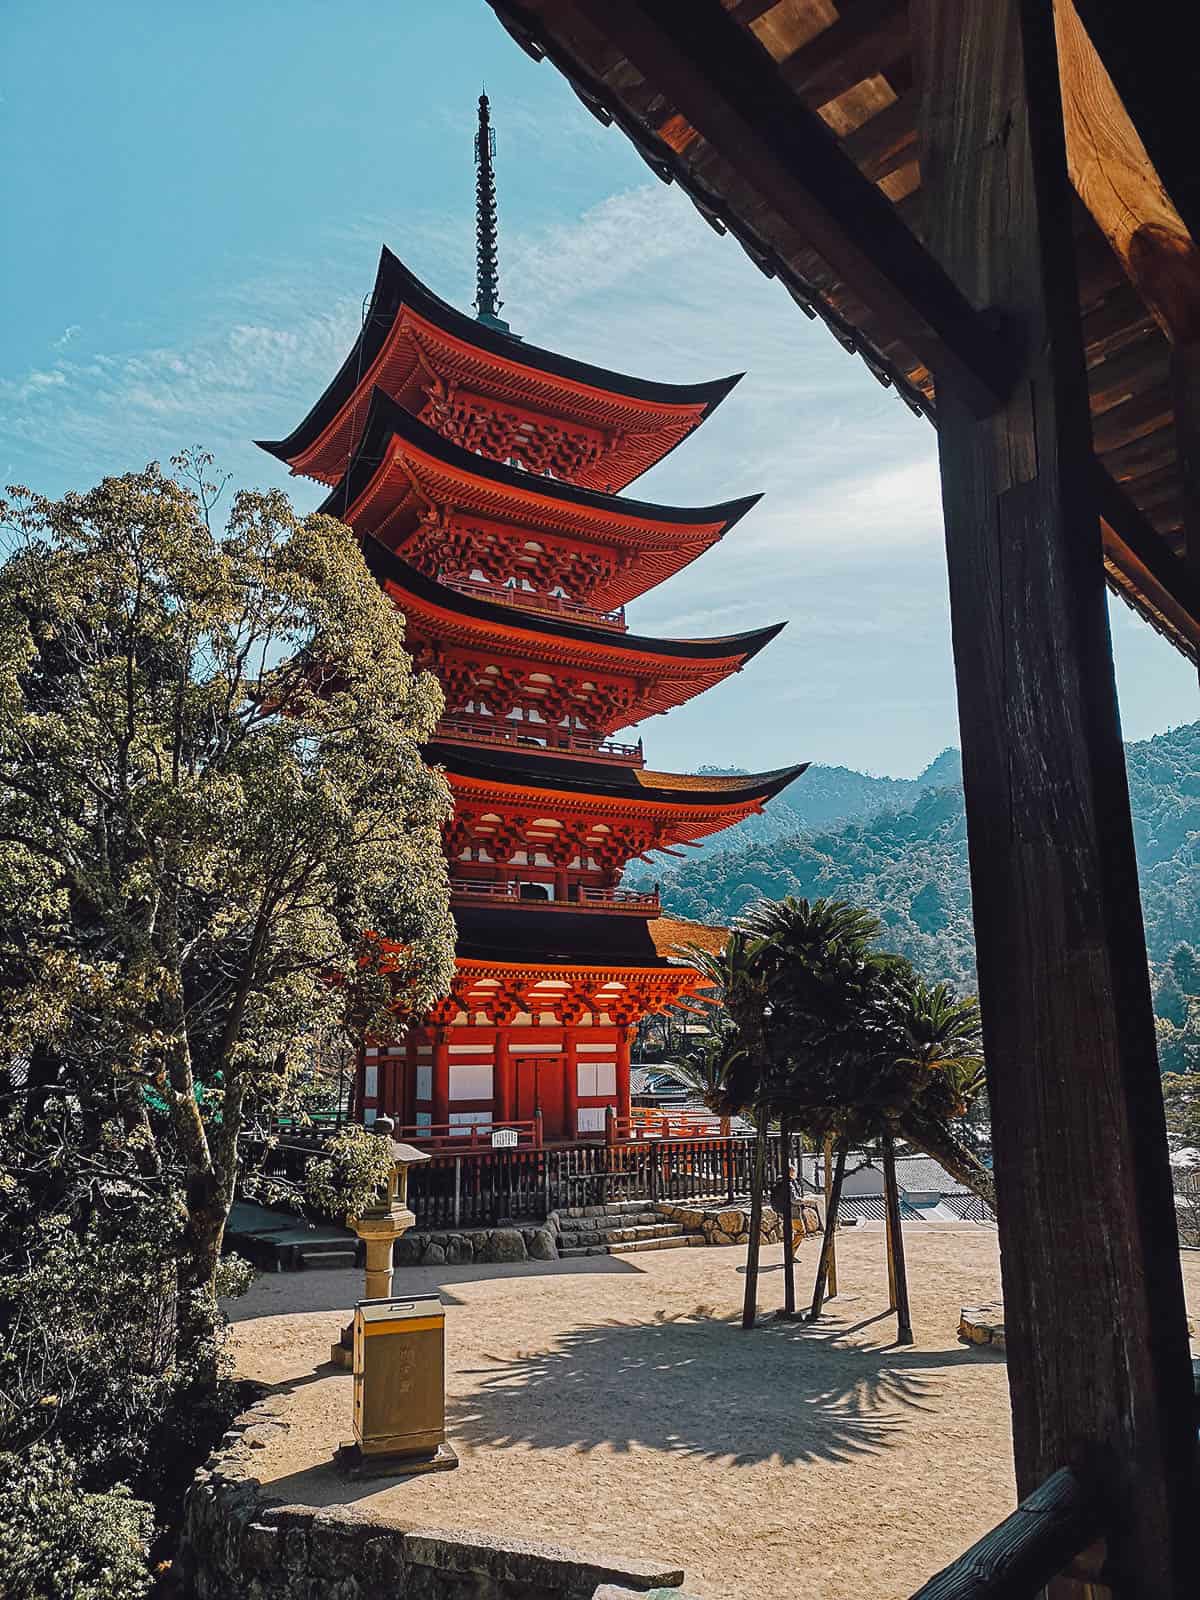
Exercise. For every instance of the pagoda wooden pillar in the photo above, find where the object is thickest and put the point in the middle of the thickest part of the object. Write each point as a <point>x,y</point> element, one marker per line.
<point>502,1076</point>
<point>441,1078</point>
<point>1098,1363</point>
<point>570,1082</point>
<point>624,1103</point>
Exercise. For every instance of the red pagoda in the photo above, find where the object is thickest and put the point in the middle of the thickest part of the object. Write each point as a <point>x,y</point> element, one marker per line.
<point>481,474</point>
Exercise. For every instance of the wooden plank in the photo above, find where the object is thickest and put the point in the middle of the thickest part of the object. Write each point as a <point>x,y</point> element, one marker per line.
<point>1025,1551</point>
<point>727,87</point>
<point>867,36</point>
<point>1098,1364</point>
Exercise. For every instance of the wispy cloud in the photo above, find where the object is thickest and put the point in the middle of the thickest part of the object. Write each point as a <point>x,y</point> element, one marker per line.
<point>66,336</point>
<point>847,542</point>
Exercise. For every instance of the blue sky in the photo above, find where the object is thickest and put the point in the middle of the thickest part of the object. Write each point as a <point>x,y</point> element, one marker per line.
<point>195,200</point>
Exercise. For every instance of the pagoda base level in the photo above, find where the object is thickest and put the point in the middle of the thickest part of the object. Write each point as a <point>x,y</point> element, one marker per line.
<point>547,1083</point>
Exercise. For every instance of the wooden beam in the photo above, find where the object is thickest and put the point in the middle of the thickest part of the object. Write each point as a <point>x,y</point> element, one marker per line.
<point>1117,181</point>
<point>1025,1551</point>
<point>725,84</point>
<point>1149,53</point>
<point>1099,1371</point>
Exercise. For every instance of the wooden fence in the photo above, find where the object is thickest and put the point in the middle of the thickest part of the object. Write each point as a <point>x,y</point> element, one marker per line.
<point>478,1187</point>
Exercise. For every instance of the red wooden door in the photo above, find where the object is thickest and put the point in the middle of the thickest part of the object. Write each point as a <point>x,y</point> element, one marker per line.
<point>539,1082</point>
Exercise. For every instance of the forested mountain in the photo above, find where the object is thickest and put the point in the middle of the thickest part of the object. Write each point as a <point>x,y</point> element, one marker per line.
<point>903,853</point>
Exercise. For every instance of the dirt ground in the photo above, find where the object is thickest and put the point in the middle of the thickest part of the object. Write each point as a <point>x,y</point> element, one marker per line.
<point>614,1405</point>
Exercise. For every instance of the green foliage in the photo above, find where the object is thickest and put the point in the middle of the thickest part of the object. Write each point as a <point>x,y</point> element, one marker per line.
<point>219,847</point>
<point>841,1035</point>
<point>1181,1098</point>
<point>903,855</point>
<point>59,1541</point>
<point>218,833</point>
<point>355,1166</point>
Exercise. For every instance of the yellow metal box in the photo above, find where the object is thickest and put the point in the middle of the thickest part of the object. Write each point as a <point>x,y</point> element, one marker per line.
<point>400,1376</point>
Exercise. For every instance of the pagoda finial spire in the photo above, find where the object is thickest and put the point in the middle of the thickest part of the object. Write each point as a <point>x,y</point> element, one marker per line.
<point>487,286</point>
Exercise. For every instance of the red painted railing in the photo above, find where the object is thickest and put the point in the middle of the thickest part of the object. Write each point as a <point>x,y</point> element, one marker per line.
<point>526,600</point>
<point>646,1122</point>
<point>459,1137</point>
<point>541,738</point>
<point>613,900</point>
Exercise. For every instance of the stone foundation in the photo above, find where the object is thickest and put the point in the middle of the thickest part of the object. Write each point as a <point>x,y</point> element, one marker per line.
<point>982,1325</point>
<point>453,1246</point>
<point>731,1224</point>
<point>238,1543</point>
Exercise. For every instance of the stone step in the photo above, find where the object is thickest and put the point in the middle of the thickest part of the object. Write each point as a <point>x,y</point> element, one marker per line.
<point>653,1230</point>
<point>680,1241</point>
<point>614,1208</point>
<point>569,1252</point>
<point>632,1219</point>
<point>313,1260</point>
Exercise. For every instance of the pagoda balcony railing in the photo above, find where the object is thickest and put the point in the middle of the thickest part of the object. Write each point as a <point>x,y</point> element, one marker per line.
<point>540,737</point>
<point>527,600</point>
<point>486,891</point>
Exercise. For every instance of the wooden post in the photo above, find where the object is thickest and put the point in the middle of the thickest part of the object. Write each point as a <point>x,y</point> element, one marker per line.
<point>833,1196</point>
<point>831,1287</point>
<point>570,1084</point>
<point>1098,1363</point>
<point>750,1298</point>
<point>624,1099</point>
<point>537,1128</point>
<point>789,1247</point>
<point>441,1078</point>
<point>503,1076</point>
<point>898,1274</point>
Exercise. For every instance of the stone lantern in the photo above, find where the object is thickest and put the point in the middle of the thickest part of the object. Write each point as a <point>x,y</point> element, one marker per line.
<point>379,1226</point>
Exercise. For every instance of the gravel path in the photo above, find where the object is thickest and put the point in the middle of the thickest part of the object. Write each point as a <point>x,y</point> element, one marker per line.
<point>614,1405</point>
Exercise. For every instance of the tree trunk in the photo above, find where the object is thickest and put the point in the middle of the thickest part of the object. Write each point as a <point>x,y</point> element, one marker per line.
<point>789,1249</point>
<point>937,1141</point>
<point>895,1233</point>
<point>831,1213</point>
<point>750,1300</point>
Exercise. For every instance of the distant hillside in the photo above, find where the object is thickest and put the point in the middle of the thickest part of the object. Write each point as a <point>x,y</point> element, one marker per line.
<point>902,851</point>
<point>823,798</point>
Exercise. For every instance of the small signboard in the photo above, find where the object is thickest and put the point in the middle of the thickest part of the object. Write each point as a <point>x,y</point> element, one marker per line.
<point>504,1138</point>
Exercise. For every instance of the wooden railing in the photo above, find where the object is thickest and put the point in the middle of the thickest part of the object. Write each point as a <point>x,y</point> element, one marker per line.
<point>539,737</point>
<point>651,1122</point>
<point>1039,1542</point>
<point>528,600</point>
<point>633,901</point>
<point>466,1137</point>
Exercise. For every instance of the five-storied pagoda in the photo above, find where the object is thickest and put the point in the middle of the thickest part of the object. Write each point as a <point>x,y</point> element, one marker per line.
<point>482,476</point>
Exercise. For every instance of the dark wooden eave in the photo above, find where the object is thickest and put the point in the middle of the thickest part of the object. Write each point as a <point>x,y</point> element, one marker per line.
<point>806,152</point>
<point>528,769</point>
<point>501,623</point>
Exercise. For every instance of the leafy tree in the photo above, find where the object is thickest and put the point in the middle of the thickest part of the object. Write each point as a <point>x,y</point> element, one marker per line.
<point>217,833</point>
<point>845,1037</point>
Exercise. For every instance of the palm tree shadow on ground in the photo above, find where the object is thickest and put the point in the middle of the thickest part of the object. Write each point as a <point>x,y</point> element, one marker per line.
<point>698,1386</point>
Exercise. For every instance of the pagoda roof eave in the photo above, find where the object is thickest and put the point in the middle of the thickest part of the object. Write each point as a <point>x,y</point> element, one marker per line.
<point>386,420</point>
<point>521,939</point>
<point>512,629</point>
<point>525,770</point>
<point>397,287</point>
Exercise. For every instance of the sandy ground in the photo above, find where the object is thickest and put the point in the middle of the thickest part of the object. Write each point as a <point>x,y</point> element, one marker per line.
<point>614,1405</point>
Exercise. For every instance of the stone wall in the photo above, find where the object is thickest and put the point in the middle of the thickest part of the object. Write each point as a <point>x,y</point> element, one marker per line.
<point>731,1224</point>
<point>451,1246</point>
<point>238,1543</point>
